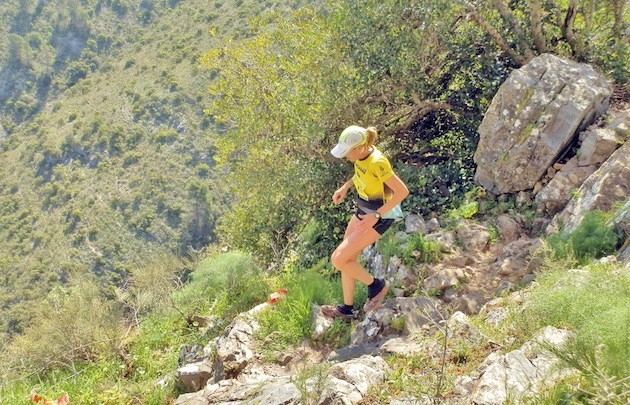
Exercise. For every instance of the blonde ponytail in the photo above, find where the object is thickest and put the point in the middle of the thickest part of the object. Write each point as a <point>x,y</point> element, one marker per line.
<point>371,135</point>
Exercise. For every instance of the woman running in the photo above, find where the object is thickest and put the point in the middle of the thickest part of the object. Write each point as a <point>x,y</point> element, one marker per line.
<point>379,191</point>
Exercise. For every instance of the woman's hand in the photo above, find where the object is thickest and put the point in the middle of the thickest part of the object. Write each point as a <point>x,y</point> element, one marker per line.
<point>367,221</point>
<point>339,195</point>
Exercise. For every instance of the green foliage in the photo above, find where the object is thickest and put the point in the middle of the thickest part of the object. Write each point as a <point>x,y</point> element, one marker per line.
<point>592,303</point>
<point>275,93</point>
<point>71,325</point>
<point>152,284</point>
<point>413,249</point>
<point>593,238</point>
<point>76,344</point>
<point>311,382</point>
<point>442,170</point>
<point>289,320</point>
<point>227,284</point>
<point>466,210</point>
<point>421,249</point>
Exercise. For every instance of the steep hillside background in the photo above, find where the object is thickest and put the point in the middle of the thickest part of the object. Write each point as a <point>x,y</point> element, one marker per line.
<point>106,156</point>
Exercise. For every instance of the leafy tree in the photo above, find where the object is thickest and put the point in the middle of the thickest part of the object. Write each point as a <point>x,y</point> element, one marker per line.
<point>276,93</point>
<point>584,30</point>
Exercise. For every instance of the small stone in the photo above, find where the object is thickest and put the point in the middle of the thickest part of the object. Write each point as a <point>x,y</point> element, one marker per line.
<point>558,166</point>
<point>432,225</point>
<point>505,286</point>
<point>284,358</point>
<point>449,296</point>
<point>398,292</point>
<point>522,198</point>
<point>528,279</point>
<point>505,268</point>
<point>415,224</point>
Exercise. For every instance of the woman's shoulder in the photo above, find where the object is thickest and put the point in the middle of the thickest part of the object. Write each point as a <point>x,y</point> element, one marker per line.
<point>377,155</point>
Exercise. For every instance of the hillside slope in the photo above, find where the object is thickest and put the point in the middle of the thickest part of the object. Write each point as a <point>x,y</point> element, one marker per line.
<point>110,162</point>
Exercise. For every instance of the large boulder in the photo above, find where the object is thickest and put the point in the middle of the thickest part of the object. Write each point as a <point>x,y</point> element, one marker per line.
<point>601,190</point>
<point>533,118</point>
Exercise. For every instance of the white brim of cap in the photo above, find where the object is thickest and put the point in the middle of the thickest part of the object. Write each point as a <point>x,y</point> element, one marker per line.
<point>340,150</point>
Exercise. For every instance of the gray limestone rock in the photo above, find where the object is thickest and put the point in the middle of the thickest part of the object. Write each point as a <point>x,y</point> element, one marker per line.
<point>474,237</point>
<point>555,195</point>
<point>519,373</point>
<point>194,376</point>
<point>321,323</point>
<point>433,225</point>
<point>598,145</point>
<point>363,372</point>
<point>509,230</point>
<point>601,190</point>
<point>415,224</point>
<point>233,351</point>
<point>533,117</point>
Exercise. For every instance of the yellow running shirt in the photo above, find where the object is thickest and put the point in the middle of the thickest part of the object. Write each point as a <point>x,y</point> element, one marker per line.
<point>370,174</point>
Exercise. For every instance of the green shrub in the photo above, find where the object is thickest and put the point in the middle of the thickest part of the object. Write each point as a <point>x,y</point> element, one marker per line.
<point>466,210</point>
<point>593,304</point>
<point>389,245</point>
<point>591,239</point>
<point>70,325</point>
<point>153,283</point>
<point>420,249</point>
<point>290,319</point>
<point>412,250</point>
<point>230,283</point>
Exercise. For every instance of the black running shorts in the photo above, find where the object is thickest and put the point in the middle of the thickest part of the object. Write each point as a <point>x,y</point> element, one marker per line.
<point>366,207</point>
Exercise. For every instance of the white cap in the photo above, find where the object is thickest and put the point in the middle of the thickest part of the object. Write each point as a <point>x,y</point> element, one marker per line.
<point>349,138</point>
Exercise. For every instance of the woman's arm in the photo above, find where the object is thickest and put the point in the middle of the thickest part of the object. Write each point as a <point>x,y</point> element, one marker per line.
<point>400,192</point>
<point>340,194</point>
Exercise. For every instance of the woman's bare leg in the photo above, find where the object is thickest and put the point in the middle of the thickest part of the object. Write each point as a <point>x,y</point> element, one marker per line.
<point>345,259</point>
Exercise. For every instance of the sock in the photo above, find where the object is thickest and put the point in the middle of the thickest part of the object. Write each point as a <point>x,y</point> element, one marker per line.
<point>375,287</point>
<point>345,309</point>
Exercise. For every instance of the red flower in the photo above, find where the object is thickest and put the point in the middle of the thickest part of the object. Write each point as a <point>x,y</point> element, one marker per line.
<point>64,400</point>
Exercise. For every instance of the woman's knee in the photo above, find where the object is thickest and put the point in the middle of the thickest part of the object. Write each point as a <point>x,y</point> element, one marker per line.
<point>338,260</point>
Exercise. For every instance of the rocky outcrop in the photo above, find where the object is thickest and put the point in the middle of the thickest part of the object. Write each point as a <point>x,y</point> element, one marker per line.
<point>233,348</point>
<point>607,186</point>
<point>533,118</point>
<point>516,374</point>
<point>321,323</point>
<point>622,224</point>
<point>342,383</point>
<point>596,145</point>
<point>561,184</point>
<point>193,376</point>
